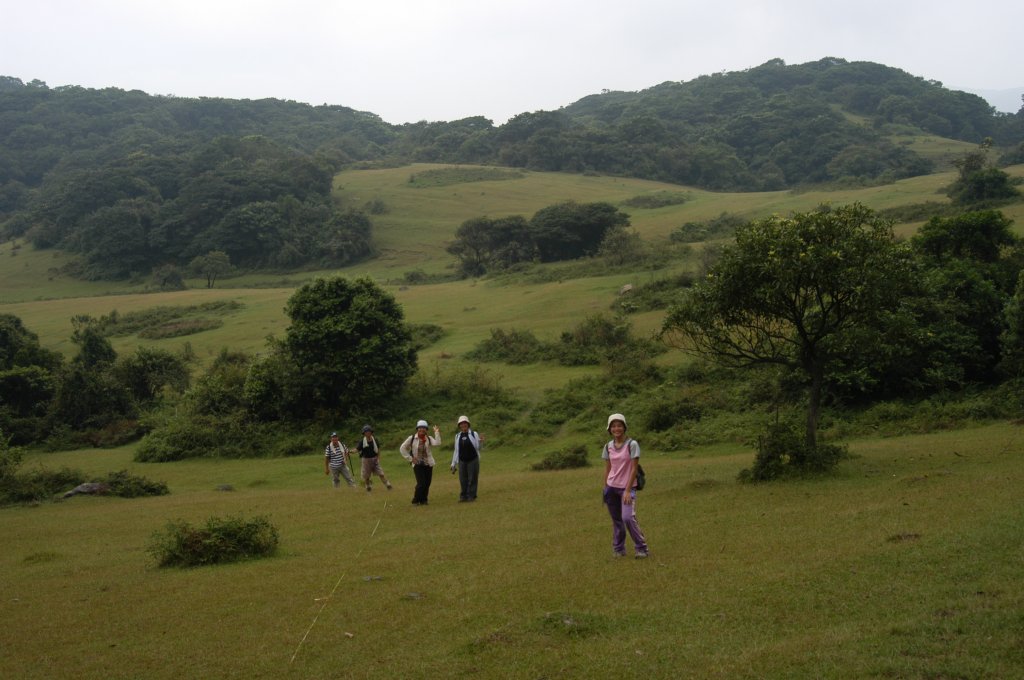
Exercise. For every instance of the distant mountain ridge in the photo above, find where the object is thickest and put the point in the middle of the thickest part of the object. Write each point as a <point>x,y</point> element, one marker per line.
<point>181,177</point>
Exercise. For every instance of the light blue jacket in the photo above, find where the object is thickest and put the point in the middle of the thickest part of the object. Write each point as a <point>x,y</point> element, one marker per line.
<point>474,439</point>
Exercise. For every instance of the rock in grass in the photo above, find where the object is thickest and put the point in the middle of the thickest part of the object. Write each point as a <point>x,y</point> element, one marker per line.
<point>88,488</point>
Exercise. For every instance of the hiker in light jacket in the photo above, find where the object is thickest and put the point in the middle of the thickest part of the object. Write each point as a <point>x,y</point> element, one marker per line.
<point>417,450</point>
<point>466,459</point>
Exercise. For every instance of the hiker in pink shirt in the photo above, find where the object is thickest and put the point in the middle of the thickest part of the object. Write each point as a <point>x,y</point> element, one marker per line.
<point>621,457</point>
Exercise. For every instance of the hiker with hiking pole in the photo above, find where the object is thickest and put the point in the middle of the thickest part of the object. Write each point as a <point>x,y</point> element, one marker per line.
<point>336,457</point>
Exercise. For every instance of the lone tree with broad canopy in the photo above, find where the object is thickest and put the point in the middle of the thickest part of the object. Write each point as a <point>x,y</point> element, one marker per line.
<point>802,292</point>
<point>349,342</point>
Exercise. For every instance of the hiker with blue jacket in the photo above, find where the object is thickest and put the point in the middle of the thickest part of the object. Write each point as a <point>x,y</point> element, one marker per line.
<point>466,459</point>
<point>621,459</point>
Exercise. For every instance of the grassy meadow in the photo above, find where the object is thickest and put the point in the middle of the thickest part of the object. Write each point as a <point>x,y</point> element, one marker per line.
<point>905,563</point>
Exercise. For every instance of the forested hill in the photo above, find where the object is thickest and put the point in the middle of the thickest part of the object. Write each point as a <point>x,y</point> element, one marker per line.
<point>132,180</point>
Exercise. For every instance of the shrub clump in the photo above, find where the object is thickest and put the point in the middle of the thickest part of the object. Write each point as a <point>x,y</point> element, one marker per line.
<point>38,485</point>
<point>425,334</point>
<point>783,452</point>
<point>566,459</point>
<point>659,199</point>
<point>512,346</point>
<point>658,294</point>
<point>595,339</point>
<point>723,226</point>
<point>126,485</point>
<point>217,542</point>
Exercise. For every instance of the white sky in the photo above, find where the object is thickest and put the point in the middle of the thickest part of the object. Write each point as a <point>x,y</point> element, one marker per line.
<point>411,60</point>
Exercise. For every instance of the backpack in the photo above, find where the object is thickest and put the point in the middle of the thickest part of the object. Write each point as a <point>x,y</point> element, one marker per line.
<point>641,476</point>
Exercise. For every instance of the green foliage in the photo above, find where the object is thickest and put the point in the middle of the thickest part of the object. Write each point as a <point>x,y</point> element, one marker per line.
<point>979,182</point>
<point>211,266</point>
<point>917,212</point>
<point>37,485</point>
<point>149,322</point>
<point>348,344</point>
<point>621,247</point>
<point>723,226</point>
<point>94,350</point>
<point>450,176</point>
<point>783,451</point>
<point>89,397</point>
<point>800,292</point>
<point>218,541</point>
<point>177,329</point>
<point>511,346</point>
<point>599,338</point>
<point>657,294</point>
<point>40,484</point>
<point>482,244</point>
<point>1012,338</point>
<point>143,181</point>
<point>660,199</point>
<point>25,395</point>
<point>978,235</point>
<point>425,334</point>
<point>565,231</point>
<point>10,457</point>
<point>565,459</point>
<point>147,372</point>
<point>347,238</point>
<point>594,340</point>
<point>126,485</point>
<point>168,277</point>
<point>972,263</point>
<point>666,415</point>
<point>20,346</point>
<point>203,436</point>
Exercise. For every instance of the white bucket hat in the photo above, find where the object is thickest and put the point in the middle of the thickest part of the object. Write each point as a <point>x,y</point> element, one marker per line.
<point>462,419</point>
<point>422,423</point>
<point>613,417</point>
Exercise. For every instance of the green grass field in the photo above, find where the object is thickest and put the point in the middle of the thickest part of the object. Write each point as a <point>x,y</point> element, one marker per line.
<point>903,564</point>
<point>906,563</point>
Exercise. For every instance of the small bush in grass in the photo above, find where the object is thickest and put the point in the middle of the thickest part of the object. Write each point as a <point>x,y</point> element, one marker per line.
<point>782,451</point>
<point>425,334</point>
<point>566,459</point>
<point>218,541</point>
<point>38,485</point>
<point>665,415</point>
<point>126,485</point>
<point>512,346</point>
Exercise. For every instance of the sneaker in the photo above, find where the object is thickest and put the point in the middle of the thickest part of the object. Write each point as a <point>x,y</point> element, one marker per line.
<point>369,488</point>
<point>641,555</point>
<point>387,485</point>
<point>618,554</point>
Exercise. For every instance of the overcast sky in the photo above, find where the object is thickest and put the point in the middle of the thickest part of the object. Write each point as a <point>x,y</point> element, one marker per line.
<point>411,60</point>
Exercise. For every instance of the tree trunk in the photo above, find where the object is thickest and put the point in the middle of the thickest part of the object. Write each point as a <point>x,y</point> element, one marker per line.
<point>814,405</point>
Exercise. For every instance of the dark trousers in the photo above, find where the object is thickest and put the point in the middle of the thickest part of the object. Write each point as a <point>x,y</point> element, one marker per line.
<point>469,473</point>
<point>424,475</point>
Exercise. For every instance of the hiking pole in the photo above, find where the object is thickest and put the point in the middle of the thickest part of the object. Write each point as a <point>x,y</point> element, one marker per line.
<point>348,457</point>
